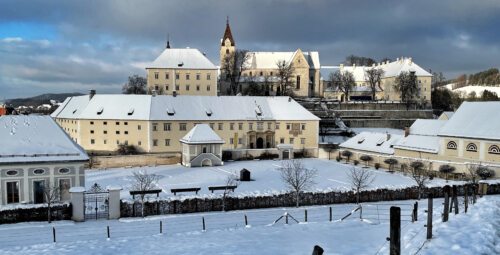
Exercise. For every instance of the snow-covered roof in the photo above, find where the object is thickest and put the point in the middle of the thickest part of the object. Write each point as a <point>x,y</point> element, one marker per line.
<point>479,120</point>
<point>372,142</point>
<point>182,59</point>
<point>26,139</point>
<point>428,127</point>
<point>268,60</point>
<point>391,69</point>
<point>201,134</point>
<point>168,107</point>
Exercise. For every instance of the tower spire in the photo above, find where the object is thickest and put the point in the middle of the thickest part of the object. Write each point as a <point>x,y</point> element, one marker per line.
<point>227,33</point>
<point>168,41</point>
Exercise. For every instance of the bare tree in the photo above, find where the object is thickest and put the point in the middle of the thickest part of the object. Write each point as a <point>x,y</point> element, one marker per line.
<point>297,177</point>
<point>406,84</point>
<point>285,78</point>
<point>418,174</point>
<point>233,65</point>
<point>374,78</point>
<point>343,81</point>
<point>233,181</point>
<point>360,179</point>
<point>471,174</point>
<point>143,181</point>
<point>51,194</point>
<point>135,85</point>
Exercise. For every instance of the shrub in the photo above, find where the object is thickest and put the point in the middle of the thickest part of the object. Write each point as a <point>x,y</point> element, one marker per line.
<point>338,158</point>
<point>484,172</point>
<point>446,169</point>
<point>416,165</point>
<point>124,149</point>
<point>431,176</point>
<point>391,162</point>
<point>267,155</point>
<point>377,165</point>
<point>227,155</point>
<point>298,154</point>
<point>404,167</point>
<point>347,154</point>
<point>366,159</point>
<point>356,162</point>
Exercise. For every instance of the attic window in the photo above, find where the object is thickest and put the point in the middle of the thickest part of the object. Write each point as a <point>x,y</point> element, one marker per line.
<point>361,140</point>
<point>209,112</point>
<point>380,141</point>
<point>180,64</point>
<point>130,111</point>
<point>99,112</point>
<point>258,111</point>
<point>170,111</point>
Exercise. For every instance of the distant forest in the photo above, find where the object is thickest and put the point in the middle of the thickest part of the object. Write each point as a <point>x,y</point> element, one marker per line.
<point>490,77</point>
<point>39,100</point>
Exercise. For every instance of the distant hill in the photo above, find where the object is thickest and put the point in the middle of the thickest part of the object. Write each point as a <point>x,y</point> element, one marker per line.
<point>39,100</point>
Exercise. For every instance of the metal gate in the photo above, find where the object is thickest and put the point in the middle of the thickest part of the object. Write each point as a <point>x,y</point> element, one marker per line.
<point>96,201</point>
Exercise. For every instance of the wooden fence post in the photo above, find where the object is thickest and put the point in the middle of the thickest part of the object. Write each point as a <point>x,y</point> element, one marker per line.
<point>203,221</point>
<point>286,218</point>
<point>246,220</point>
<point>161,227</point>
<point>305,215</point>
<point>395,231</point>
<point>429,217</point>
<point>446,203</point>
<point>466,197</point>
<point>415,211</point>
<point>331,214</point>
<point>108,232</point>
<point>54,234</point>
<point>455,198</point>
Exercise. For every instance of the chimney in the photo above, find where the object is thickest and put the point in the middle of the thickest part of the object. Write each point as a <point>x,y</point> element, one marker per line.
<point>91,93</point>
<point>174,93</point>
<point>388,136</point>
<point>407,131</point>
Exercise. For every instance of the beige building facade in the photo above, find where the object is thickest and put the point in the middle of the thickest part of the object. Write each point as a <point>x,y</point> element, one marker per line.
<point>182,71</point>
<point>155,124</point>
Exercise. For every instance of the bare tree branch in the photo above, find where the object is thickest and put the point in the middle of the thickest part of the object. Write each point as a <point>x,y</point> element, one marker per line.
<point>343,81</point>
<point>374,78</point>
<point>142,181</point>
<point>285,79</point>
<point>296,177</point>
<point>51,195</point>
<point>360,179</point>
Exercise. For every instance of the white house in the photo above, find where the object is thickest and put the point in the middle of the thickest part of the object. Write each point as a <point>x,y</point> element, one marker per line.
<point>36,153</point>
<point>201,146</point>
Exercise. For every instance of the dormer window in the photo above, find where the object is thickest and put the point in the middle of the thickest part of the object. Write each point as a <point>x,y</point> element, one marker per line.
<point>100,110</point>
<point>180,64</point>
<point>361,140</point>
<point>258,111</point>
<point>130,111</point>
<point>380,141</point>
<point>170,111</point>
<point>209,112</point>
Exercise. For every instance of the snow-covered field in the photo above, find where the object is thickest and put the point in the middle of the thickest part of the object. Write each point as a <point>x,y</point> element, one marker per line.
<point>477,89</point>
<point>332,175</point>
<point>472,233</point>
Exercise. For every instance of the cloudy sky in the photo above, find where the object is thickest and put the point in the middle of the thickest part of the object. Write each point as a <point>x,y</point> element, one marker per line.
<point>73,46</point>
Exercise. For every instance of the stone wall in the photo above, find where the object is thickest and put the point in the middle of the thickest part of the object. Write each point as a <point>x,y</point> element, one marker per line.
<point>135,160</point>
<point>284,200</point>
<point>15,215</point>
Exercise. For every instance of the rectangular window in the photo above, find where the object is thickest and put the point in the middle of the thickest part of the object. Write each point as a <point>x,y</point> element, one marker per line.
<point>221,126</point>
<point>126,142</point>
<point>282,140</point>
<point>288,126</point>
<point>231,126</point>
<point>126,132</point>
<point>250,126</point>
<point>139,127</point>
<point>269,124</point>
<point>117,141</point>
<point>117,132</point>
<point>303,126</point>
<point>139,143</point>
<point>231,140</point>
<point>302,141</point>
<point>166,127</point>
<point>166,87</point>
<point>260,126</point>
<point>197,87</point>
<point>182,127</point>
<point>167,76</point>
<point>240,140</point>
<point>187,87</point>
<point>187,76</point>
<point>105,132</point>
<point>167,142</point>
<point>155,126</point>
<point>117,123</point>
<point>125,123</point>
<point>208,76</point>
<point>176,76</point>
<point>176,87</point>
<point>105,141</point>
<point>198,77</point>
<point>208,87</point>
<point>155,142</point>
<point>12,192</point>
<point>156,75</point>
<point>91,123</point>
<point>212,125</point>
<point>277,126</point>
<point>291,140</point>
<point>91,131</point>
<point>240,126</point>
<point>105,123</point>
<point>92,141</point>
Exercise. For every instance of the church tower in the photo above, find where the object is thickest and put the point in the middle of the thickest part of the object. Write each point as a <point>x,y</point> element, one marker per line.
<point>227,43</point>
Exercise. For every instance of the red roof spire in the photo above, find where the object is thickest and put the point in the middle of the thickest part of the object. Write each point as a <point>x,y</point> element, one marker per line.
<point>227,33</point>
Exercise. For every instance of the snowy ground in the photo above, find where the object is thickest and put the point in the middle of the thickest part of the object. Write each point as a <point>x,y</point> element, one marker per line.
<point>226,234</point>
<point>477,89</point>
<point>332,175</point>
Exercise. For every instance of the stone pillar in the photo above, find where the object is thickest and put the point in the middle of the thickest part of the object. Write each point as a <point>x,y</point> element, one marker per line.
<point>114,202</point>
<point>78,207</point>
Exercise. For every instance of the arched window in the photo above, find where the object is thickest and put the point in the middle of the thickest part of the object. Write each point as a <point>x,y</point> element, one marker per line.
<point>452,145</point>
<point>494,149</point>
<point>227,51</point>
<point>471,147</point>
